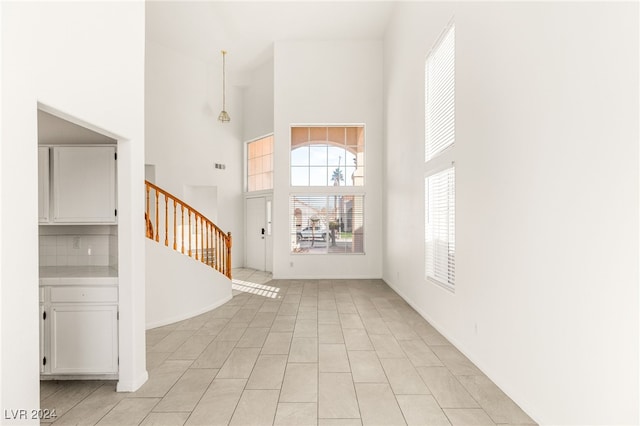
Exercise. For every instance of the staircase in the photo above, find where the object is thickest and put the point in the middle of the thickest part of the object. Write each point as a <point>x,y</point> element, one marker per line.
<point>177,225</point>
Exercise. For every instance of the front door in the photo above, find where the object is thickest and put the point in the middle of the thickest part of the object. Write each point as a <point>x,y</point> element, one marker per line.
<point>256,232</point>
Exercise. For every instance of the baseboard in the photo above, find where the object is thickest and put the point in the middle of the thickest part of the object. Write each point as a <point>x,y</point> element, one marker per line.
<point>315,277</point>
<point>423,314</point>
<point>461,348</point>
<point>189,314</point>
<point>44,377</point>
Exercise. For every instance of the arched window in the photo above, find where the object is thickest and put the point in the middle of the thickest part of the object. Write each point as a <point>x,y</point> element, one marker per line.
<point>327,189</point>
<point>327,156</point>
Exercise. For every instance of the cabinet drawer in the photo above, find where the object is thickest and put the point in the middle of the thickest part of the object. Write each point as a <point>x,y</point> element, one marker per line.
<point>84,294</point>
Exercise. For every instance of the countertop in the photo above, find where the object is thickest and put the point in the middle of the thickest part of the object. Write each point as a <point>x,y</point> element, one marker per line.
<point>78,275</point>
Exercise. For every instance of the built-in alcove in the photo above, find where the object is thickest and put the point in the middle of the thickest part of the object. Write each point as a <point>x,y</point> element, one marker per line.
<point>78,251</point>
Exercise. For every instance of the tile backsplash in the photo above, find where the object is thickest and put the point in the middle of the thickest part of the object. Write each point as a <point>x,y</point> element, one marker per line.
<point>78,246</point>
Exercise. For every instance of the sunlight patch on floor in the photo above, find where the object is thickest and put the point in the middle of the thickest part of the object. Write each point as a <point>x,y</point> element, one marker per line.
<point>255,288</point>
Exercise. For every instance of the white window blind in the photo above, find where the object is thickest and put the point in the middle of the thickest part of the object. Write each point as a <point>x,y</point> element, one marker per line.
<point>440,246</point>
<point>440,96</point>
<point>322,224</point>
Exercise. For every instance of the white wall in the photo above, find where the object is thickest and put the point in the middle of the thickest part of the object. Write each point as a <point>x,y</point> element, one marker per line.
<point>205,197</point>
<point>172,297</point>
<point>546,193</point>
<point>27,395</point>
<point>331,82</point>
<point>258,121</point>
<point>258,102</point>
<point>86,61</point>
<point>185,139</point>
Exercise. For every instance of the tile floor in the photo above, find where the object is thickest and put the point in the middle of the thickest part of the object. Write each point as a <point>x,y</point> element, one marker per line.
<point>295,352</point>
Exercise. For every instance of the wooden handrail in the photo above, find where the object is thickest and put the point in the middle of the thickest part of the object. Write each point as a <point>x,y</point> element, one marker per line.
<point>207,243</point>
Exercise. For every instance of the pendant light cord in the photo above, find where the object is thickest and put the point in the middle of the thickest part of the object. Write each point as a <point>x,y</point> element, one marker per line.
<point>224,115</point>
<point>224,53</point>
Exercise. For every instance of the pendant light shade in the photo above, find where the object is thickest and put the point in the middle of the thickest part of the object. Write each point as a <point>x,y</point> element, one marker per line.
<point>224,115</point>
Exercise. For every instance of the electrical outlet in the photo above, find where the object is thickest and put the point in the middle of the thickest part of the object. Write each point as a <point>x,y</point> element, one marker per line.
<point>76,242</point>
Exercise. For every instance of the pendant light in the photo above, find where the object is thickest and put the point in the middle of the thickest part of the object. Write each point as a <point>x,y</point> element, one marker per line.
<point>224,115</point>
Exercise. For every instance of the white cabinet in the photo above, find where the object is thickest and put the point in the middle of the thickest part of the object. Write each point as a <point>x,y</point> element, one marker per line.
<point>84,184</point>
<point>84,339</point>
<point>79,330</point>
<point>43,184</point>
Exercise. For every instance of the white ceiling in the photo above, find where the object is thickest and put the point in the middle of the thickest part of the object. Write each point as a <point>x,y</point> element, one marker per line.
<point>247,30</point>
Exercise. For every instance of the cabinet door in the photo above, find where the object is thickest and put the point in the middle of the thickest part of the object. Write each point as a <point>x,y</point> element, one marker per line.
<point>84,339</point>
<point>43,184</point>
<point>84,184</point>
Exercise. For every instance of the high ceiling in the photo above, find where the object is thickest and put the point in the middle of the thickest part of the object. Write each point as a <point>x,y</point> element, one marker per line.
<point>247,30</point>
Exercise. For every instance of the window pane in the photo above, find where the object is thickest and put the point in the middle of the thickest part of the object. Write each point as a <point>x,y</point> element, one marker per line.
<point>336,135</point>
<point>318,176</point>
<point>336,176</point>
<point>336,156</point>
<point>318,134</point>
<point>331,148</point>
<point>267,147</point>
<point>351,159</point>
<point>440,227</point>
<point>349,176</point>
<point>300,156</point>
<point>251,166</point>
<point>353,208</point>
<point>440,96</point>
<point>299,136</point>
<point>318,155</point>
<point>327,224</point>
<point>266,163</point>
<point>267,179</point>
<point>269,217</point>
<point>352,136</point>
<point>299,176</point>
<point>259,161</point>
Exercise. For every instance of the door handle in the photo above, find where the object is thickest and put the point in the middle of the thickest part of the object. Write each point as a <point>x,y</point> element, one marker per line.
<point>262,231</point>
